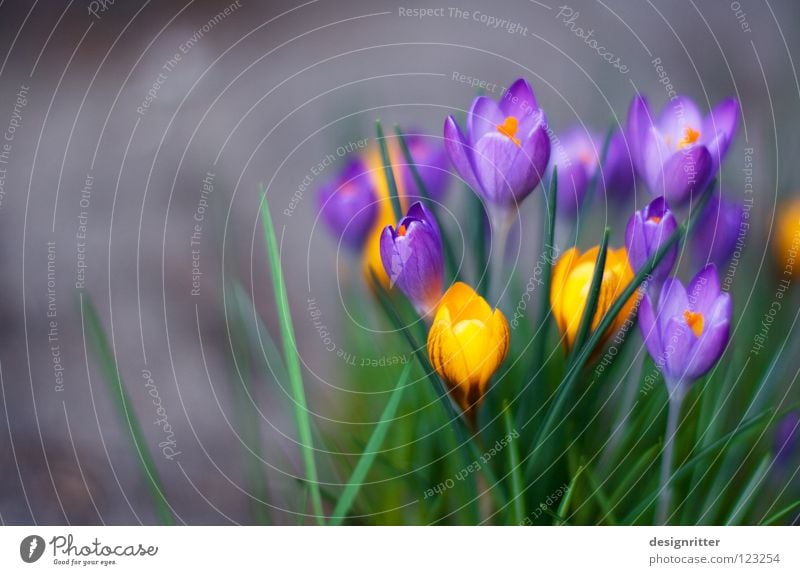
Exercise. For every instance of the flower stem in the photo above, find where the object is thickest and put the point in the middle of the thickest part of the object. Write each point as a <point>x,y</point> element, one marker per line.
<point>673,418</point>
<point>500,220</point>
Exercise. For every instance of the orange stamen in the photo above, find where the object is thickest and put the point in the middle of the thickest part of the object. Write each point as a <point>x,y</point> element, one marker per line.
<point>509,129</point>
<point>401,231</point>
<point>654,219</point>
<point>690,136</point>
<point>695,321</point>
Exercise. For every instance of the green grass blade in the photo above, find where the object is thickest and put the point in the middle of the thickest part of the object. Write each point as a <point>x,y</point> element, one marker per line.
<point>542,312</point>
<point>594,293</point>
<point>117,390</point>
<point>370,451</point>
<point>778,515</point>
<point>646,460</point>
<point>291,358</point>
<point>748,494</point>
<point>388,172</point>
<point>601,497</point>
<point>517,494</point>
<point>565,501</point>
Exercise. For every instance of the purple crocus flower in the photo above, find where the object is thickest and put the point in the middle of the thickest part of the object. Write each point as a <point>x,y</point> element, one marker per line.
<point>689,329</point>
<point>412,257</point>
<point>648,229</point>
<point>505,150</point>
<point>348,204</point>
<point>430,159</point>
<point>577,155</point>
<point>787,435</point>
<point>679,153</point>
<point>717,230</point>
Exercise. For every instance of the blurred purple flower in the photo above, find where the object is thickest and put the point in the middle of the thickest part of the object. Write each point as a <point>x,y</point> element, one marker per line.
<point>648,229</point>
<point>413,260</point>
<point>348,204</point>
<point>577,155</point>
<point>679,153</point>
<point>787,435</point>
<point>717,230</point>
<point>506,148</point>
<point>430,159</point>
<point>689,329</point>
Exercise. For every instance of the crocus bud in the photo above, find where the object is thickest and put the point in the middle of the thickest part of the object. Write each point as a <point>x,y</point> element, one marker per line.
<point>678,154</point>
<point>648,229</point>
<point>348,204</point>
<point>717,231</point>
<point>505,150</point>
<point>689,329</point>
<point>412,257</point>
<point>572,279</point>
<point>467,342</point>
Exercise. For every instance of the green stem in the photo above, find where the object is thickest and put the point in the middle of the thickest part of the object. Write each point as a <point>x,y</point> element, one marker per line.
<point>673,419</point>
<point>389,173</point>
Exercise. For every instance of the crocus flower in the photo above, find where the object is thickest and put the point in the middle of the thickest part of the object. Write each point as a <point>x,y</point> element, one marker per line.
<point>348,203</point>
<point>679,153</point>
<point>430,159</point>
<point>786,241</point>
<point>412,257</point>
<point>689,329</point>
<point>572,279</point>
<point>466,344</point>
<point>577,155</point>
<point>717,230</point>
<point>648,229</point>
<point>505,150</point>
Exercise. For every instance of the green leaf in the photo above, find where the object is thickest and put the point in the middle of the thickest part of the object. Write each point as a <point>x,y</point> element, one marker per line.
<point>747,496</point>
<point>785,511</point>
<point>116,388</point>
<point>291,358</point>
<point>594,293</point>
<point>517,493</point>
<point>388,172</point>
<point>565,501</point>
<point>370,451</point>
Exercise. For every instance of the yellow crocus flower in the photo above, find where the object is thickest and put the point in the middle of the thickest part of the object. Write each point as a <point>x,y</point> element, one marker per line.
<point>786,242</point>
<point>466,344</point>
<point>572,278</point>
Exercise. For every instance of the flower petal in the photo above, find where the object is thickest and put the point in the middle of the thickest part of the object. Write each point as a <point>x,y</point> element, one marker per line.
<point>460,153</point>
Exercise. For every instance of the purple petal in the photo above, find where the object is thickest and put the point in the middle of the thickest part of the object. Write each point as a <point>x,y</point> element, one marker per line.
<point>678,114</point>
<point>460,153</point>
<point>649,328</point>
<point>686,172</point>
<point>518,100</point>
<point>678,340</point>
<point>639,124</point>
<point>707,351</point>
<point>672,303</point>
<point>483,118</point>
<point>719,127</point>
<point>617,173</point>
<point>703,289</point>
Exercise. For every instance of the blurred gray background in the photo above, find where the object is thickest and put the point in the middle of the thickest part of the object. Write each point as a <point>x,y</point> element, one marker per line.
<point>262,94</point>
